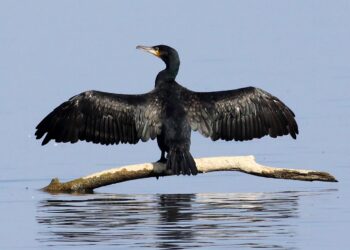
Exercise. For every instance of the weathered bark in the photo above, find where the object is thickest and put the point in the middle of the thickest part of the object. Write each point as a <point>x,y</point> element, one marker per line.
<point>245,164</point>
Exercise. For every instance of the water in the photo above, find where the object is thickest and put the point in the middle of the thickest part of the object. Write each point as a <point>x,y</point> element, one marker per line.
<point>50,52</point>
<point>174,221</point>
<point>304,216</point>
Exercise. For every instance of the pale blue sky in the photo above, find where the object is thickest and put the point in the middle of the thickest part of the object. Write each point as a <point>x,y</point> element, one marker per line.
<point>52,50</point>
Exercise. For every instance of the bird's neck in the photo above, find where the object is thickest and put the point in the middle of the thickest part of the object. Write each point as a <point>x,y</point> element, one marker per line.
<point>169,73</point>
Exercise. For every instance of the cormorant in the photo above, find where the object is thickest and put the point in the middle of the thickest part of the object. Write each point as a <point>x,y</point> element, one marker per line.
<point>169,112</point>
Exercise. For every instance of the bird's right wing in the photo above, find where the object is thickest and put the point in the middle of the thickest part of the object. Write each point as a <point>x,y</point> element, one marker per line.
<point>240,114</point>
<point>103,118</point>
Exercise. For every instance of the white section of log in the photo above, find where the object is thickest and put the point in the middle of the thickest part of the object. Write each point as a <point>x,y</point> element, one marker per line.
<point>246,164</point>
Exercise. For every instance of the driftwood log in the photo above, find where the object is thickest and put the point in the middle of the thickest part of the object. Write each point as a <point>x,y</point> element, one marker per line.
<point>245,164</point>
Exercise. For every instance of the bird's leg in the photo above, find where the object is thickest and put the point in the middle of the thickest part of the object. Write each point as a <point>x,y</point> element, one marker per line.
<point>162,158</point>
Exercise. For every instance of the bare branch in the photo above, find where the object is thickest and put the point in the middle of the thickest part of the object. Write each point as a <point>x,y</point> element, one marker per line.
<point>245,164</point>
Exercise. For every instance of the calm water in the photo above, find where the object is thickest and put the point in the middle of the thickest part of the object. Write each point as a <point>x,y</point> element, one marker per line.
<point>297,50</point>
<point>174,221</point>
<point>304,216</point>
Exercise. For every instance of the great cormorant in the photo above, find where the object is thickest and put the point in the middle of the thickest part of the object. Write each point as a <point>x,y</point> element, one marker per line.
<point>169,112</point>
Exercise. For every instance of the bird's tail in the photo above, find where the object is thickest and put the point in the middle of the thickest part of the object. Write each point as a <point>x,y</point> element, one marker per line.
<point>180,161</point>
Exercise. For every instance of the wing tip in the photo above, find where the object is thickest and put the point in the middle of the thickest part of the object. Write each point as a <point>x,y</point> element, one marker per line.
<point>46,140</point>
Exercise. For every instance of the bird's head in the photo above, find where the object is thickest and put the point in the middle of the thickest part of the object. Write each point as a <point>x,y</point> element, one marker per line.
<point>164,52</point>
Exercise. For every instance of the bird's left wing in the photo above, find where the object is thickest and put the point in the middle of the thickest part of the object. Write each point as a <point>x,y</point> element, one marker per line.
<point>103,118</point>
<point>240,114</point>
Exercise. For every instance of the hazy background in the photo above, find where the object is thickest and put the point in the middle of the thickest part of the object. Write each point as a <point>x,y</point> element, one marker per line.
<point>296,50</point>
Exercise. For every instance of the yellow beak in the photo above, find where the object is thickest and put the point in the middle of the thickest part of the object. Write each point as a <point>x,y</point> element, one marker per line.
<point>149,50</point>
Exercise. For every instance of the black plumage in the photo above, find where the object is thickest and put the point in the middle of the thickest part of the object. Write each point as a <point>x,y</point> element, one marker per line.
<point>169,112</point>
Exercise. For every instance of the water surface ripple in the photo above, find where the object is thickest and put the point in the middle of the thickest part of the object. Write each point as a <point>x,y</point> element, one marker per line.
<point>171,221</point>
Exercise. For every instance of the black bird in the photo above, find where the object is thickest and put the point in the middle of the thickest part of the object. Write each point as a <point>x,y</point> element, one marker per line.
<point>169,112</point>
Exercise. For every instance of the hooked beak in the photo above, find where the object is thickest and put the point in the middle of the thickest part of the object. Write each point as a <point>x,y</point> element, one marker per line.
<point>149,50</point>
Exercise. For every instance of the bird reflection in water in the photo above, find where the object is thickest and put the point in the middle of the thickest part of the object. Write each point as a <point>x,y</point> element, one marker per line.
<point>175,220</point>
<point>171,221</point>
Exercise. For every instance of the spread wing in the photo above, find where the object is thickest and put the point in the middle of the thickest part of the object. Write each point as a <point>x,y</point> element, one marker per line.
<point>241,114</point>
<point>103,118</point>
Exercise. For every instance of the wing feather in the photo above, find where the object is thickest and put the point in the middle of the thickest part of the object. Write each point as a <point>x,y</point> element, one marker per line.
<point>241,114</point>
<point>103,118</point>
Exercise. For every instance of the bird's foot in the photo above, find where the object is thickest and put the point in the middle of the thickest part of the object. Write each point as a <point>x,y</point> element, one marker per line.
<point>162,160</point>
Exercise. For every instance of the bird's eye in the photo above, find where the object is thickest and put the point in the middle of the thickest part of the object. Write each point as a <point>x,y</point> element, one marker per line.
<point>156,49</point>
